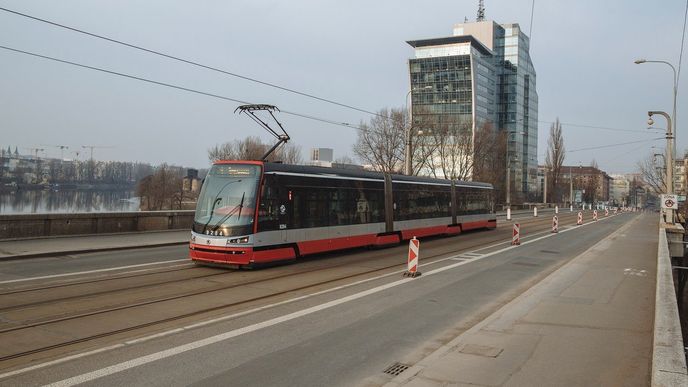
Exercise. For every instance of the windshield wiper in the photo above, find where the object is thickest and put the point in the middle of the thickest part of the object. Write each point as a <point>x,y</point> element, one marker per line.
<point>216,200</point>
<point>230,213</point>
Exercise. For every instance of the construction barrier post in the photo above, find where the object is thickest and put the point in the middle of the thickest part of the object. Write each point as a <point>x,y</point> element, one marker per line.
<point>516,236</point>
<point>555,224</point>
<point>594,215</point>
<point>580,218</point>
<point>556,209</point>
<point>535,212</point>
<point>571,207</point>
<point>413,256</point>
<point>615,211</point>
<point>606,212</point>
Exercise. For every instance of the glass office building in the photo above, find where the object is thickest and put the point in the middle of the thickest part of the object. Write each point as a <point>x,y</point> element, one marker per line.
<point>483,73</point>
<point>453,83</point>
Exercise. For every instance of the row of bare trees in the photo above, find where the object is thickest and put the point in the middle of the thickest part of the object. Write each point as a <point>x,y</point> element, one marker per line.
<point>252,148</point>
<point>164,190</point>
<point>449,150</point>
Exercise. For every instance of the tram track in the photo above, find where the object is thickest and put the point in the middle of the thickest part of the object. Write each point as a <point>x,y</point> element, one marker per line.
<point>112,332</point>
<point>82,295</point>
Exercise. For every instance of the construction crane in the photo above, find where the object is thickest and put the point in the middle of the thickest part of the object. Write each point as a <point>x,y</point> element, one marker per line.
<point>35,150</point>
<point>91,147</point>
<point>62,148</point>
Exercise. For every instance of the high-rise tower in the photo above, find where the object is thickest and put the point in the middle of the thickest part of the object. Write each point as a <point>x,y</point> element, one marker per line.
<point>483,73</point>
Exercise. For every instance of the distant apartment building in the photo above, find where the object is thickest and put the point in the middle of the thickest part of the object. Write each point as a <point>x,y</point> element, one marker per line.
<point>481,75</point>
<point>618,189</point>
<point>681,176</point>
<point>321,157</point>
<point>590,184</point>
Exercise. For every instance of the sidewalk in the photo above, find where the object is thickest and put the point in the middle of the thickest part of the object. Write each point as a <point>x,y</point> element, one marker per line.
<point>590,323</point>
<point>45,247</point>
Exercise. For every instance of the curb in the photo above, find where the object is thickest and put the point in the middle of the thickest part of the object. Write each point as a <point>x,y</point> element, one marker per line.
<point>17,257</point>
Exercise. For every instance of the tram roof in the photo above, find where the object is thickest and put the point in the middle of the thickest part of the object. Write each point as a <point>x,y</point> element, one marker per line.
<point>360,173</point>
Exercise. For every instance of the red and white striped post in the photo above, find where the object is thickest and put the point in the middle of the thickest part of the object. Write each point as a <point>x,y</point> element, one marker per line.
<point>413,254</point>
<point>606,211</point>
<point>579,221</point>
<point>594,215</point>
<point>555,224</point>
<point>516,236</point>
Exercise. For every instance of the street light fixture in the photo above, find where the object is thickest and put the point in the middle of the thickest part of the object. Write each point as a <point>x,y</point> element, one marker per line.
<point>508,176</point>
<point>673,115</point>
<point>669,160</point>
<point>408,155</point>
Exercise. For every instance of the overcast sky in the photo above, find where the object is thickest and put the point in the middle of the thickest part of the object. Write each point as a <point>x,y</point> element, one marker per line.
<point>353,52</point>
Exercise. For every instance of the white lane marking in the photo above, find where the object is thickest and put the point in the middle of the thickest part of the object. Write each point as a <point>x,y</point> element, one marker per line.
<point>255,310</point>
<point>92,271</point>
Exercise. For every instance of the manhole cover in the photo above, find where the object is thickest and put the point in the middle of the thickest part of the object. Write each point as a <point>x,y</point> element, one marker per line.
<point>396,369</point>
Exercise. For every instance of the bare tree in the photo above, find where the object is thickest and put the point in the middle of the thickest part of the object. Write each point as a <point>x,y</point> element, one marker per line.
<point>159,190</point>
<point>556,153</point>
<point>489,147</point>
<point>252,148</point>
<point>653,174</point>
<point>381,142</point>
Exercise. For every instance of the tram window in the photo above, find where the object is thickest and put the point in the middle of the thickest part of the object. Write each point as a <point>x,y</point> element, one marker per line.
<point>418,201</point>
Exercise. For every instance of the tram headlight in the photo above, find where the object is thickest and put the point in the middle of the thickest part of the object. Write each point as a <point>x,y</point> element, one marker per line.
<point>239,240</point>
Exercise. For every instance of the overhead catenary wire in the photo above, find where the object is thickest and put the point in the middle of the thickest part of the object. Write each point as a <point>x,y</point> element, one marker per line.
<point>310,117</point>
<point>190,62</point>
<point>683,37</point>
<point>251,79</point>
<point>564,124</point>
<point>613,145</point>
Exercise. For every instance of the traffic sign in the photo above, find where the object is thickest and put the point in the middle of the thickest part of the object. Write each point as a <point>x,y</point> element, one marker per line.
<point>669,202</point>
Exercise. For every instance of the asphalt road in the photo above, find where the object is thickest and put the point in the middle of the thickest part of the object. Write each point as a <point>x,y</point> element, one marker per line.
<point>340,337</point>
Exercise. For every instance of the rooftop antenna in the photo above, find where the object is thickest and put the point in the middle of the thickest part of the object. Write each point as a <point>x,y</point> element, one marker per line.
<point>481,11</point>
<point>251,110</point>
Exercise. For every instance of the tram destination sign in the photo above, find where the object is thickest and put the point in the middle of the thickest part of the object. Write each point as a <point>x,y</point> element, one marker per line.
<point>670,202</point>
<point>234,170</point>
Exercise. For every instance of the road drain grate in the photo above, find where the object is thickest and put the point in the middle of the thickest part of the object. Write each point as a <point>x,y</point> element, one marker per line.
<point>396,369</point>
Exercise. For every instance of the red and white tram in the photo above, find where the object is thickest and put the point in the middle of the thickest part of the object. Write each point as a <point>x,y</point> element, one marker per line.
<point>252,212</point>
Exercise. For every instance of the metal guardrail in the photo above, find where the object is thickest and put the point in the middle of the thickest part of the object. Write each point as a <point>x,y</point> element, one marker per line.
<point>668,357</point>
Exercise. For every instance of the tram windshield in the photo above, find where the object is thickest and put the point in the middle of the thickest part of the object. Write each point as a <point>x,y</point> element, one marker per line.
<point>227,202</point>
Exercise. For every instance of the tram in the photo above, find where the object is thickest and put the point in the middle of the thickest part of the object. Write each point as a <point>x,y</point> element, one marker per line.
<point>253,212</point>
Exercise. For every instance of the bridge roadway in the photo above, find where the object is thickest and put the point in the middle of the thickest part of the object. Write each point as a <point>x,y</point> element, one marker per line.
<point>148,316</point>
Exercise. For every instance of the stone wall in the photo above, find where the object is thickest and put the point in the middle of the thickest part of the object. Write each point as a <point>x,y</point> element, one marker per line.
<point>44,225</point>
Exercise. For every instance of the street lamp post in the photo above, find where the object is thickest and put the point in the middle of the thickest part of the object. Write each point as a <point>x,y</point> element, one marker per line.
<point>669,161</point>
<point>508,172</point>
<point>408,154</point>
<point>571,187</point>
<point>673,115</point>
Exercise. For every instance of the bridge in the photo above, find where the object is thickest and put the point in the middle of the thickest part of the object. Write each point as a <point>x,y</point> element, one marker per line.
<point>593,304</point>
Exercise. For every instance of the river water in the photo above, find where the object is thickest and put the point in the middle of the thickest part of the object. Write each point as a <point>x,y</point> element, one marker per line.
<point>67,201</point>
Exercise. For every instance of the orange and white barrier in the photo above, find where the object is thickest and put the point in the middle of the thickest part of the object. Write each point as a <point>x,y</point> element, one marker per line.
<point>579,221</point>
<point>516,236</point>
<point>606,212</point>
<point>413,254</point>
<point>594,215</point>
<point>555,224</point>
